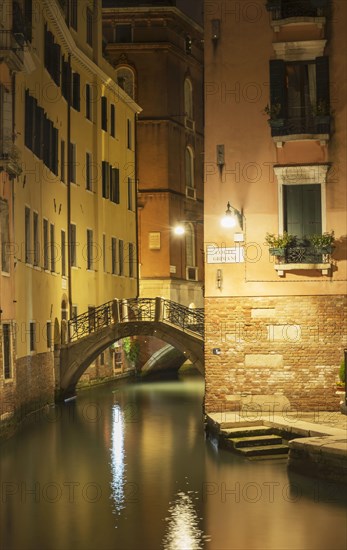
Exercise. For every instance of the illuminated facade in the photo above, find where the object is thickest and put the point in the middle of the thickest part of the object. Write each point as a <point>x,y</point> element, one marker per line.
<point>74,244</point>
<point>275,148</point>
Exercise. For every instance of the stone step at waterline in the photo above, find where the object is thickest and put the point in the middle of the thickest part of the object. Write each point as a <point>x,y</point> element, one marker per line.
<point>263,450</point>
<point>248,431</point>
<point>258,440</point>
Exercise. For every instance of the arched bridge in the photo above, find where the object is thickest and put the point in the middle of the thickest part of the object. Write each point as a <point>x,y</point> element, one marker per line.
<point>90,333</point>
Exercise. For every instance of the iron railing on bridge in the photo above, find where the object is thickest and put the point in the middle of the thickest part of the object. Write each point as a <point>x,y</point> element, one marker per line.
<point>136,310</point>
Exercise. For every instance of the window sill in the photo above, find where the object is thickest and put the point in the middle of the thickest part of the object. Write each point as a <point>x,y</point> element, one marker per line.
<point>280,140</point>
<point>298,20</point>
<point>282,268</point>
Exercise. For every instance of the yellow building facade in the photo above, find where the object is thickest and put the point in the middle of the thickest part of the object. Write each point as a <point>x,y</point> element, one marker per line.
<point>75,239</point>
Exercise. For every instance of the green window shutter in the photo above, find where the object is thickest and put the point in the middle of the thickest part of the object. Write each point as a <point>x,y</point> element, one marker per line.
<point>302,209</point>
<point>322,79</point>
<point>278,89</point>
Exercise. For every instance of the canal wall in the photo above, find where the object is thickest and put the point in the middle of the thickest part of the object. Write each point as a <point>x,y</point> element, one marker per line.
<point>277,352</point>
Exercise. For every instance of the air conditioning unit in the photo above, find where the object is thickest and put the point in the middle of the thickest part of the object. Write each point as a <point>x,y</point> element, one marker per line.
<point>189,123</point>
<point>191,273</point>
<point>191,192</point>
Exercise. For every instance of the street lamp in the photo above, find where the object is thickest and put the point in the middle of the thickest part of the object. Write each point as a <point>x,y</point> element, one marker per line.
<point>231,217</point>
<point>180,228</point>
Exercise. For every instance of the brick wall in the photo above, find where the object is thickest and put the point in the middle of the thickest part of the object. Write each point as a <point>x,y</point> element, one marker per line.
<point>276,353</point>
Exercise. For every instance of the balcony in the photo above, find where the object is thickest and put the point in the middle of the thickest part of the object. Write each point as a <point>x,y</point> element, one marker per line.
<point>302,257</point>
<point>10,160</point>
<point>300,128</point>
<point>287,9</point>
<point>11,49</point>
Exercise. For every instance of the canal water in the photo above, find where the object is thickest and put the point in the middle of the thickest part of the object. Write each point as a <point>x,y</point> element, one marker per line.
<point>127,466</point>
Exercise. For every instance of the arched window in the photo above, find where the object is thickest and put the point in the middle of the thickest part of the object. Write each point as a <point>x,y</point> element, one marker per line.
<point>188,98</point>
<point>189,173</point>
<point>126,80</point>
<point>190,245</point>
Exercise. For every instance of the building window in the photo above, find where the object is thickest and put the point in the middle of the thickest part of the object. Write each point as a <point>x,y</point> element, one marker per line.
<point>114,255</point>
<point>302,210</point>
<point>73,14</point>
<point>113,121</point>
<point>114,185</point>
<point>189,174</point>
<point>88,102</point>
<point>36,238</point>
<point>104,113</point>
<point>296,8</point>
<point>89,20</point>
<point>52,246</point>
<point>88,171</point>
<point>7,350</point>
<point>32,336</point>
<point>121,257</point>
<point>129,134</point>
<point>89,249</point>
<point>126,80</point>
<point>76,95</point>
<point>131,260</point>
<point>45,245</point>
<point>72,166</point>
<point>188,98</point>
<point>27,236</point>
<point>123,34</point>
<point>73,245</point>
<point>130,194</point>
<point>52,56</point>
<point>105,179</point>
<point>104,262</point>
<point>190,245</point>
<point>65,79</point>
<point>49,334</point>
<point>299,92</point>
<point>5,236</point>
<point>62,160</point>
<point>63,252</point>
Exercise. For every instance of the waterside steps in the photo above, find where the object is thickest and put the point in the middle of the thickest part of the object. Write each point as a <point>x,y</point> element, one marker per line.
<point>253,441</point>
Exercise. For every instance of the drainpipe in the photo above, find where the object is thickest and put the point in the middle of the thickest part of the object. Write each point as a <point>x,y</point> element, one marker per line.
<point>69,186</point>
<point>136,210</point>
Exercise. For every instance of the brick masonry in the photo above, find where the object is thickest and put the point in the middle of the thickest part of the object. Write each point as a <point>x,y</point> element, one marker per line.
<point>280,352</point>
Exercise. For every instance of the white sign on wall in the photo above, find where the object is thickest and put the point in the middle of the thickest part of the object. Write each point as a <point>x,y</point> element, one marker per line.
<point>225,255</point>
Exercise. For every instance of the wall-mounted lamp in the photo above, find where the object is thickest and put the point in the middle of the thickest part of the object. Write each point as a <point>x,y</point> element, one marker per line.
<point>232,217</point>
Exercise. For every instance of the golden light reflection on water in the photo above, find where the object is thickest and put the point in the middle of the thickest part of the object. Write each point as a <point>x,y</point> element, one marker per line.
<point>118,459</point>
<point>183,530</point>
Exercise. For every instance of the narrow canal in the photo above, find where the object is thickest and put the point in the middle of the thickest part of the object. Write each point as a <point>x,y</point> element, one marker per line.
<point>127,466</point>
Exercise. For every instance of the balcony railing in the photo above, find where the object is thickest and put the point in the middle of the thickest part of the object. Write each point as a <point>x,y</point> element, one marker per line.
<point>300,125</point>
<point>283,9</point>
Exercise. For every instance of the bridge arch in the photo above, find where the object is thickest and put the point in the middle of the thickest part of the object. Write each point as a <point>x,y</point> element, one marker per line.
<point>146,317</point>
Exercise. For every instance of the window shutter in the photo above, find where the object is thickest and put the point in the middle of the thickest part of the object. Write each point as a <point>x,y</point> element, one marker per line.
<point>322,79</point>
<point>76,91</point>
<point>116,185</point>
<point>278,89</point>
<point>105,179</point>
<point>56,59</point>
<point>104,113</point>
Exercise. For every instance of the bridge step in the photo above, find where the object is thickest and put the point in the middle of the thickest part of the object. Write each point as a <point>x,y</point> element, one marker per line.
<point>262,450</point>
<point>239,442</point>
<point>248,431</point>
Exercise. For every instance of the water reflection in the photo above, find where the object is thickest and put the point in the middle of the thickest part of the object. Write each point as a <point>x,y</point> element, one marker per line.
<point>118,459</point>
<point>183,525</point>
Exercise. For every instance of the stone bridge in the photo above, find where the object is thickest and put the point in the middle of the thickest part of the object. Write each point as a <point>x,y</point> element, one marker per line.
<point>90,333</point>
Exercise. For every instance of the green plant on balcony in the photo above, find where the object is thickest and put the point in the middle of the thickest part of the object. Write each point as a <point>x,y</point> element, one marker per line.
<point>278,244</point>
<point>321,111</point>
<point>323,244</point>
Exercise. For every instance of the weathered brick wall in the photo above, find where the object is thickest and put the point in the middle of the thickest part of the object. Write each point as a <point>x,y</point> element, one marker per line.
<point>274,350</point>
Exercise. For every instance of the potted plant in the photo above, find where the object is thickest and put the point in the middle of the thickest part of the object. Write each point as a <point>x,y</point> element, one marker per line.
<point>323,244</point>
<point>278,244</point>
<point>322,112</point>
<point>273,111</point>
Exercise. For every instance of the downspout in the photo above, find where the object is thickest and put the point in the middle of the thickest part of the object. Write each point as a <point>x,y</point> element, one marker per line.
<point>69,185</point>
<point>136,211</point>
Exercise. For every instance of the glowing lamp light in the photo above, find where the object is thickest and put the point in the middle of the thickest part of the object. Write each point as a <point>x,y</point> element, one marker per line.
<point>179,230</point>
<point>231,217</point>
